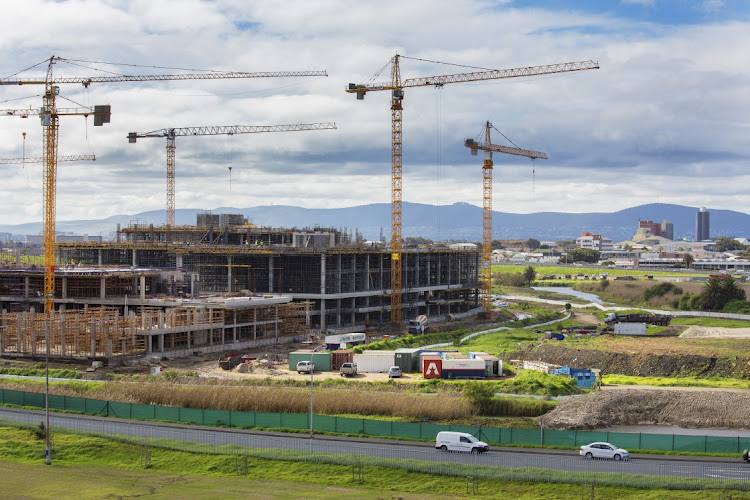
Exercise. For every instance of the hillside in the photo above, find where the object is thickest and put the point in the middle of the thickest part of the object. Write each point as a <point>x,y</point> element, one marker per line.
<point>460,221</point>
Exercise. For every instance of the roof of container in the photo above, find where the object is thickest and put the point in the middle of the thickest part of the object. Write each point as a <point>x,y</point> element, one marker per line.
<point>409,349</point>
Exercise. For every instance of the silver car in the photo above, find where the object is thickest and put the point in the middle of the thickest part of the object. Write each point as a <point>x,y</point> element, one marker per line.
<point>603,450</point>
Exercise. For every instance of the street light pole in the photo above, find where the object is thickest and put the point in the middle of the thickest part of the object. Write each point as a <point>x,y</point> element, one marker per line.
<point>312,370</point>
<point>47,451</point>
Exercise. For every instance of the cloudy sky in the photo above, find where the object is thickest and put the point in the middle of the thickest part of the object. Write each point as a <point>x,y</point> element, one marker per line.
<point>665,118</point>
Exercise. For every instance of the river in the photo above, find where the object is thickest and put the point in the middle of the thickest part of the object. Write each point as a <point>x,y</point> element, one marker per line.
<point>569,291</point>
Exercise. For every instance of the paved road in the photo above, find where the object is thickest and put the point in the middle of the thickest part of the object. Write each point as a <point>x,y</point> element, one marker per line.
<point>208,439</point>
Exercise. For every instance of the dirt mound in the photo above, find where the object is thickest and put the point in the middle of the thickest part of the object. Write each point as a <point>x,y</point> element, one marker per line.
<point>682,408</point>
<point>640,364</point>
<point>696,331</point>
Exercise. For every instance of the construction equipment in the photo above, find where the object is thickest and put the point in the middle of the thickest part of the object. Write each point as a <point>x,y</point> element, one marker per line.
<point>49,114</point>
<point>397,86</point>
<point>40,159</point>
<point>172,133</point>
<point>488,148</point>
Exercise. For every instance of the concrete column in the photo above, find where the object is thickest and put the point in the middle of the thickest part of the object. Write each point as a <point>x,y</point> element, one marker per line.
<point>367,272</point>
<point>93,337</point>
<point>234,326</point>
<point>338,312</point>
<point>229,273</point>
<point>178,260</point>
<point>26,286</point>
<point>161,343</point>
<point>103,288</point>
<point>99,256</point>
<point>270,275</point>
<point>338,274</point>
<point>322,291</point>
<point>255,323</point>
<point>143,287</point>
<point>62,334</point>
<point>65,287</point>
<point>135,258</point>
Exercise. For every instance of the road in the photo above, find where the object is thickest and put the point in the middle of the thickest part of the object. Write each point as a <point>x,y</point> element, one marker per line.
<point>526,463</point>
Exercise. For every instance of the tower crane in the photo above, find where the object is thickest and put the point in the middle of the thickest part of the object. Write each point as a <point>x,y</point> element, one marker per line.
<point>488,148</point>
<point>40,159</point>
<point>49,114</point>
<point>172,133</point>
<point>397,86</point>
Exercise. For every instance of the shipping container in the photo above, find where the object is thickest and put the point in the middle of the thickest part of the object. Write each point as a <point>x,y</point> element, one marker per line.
<point>432,366</point>
<point>340,357</point>
<point>408,359</point>
<point>630,328</point>
<point>451,373</point>
<point>493,365</point>
<point>463,364</point>
<point>454,355</point>
<point>375,362</point>
<point>321,360</point>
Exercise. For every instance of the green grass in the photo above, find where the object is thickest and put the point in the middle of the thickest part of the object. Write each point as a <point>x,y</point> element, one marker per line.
<point>715,382</point>
<point>40,372</point>
<point>724,323</point>
<point>589,270</point>
<point>86,467</point>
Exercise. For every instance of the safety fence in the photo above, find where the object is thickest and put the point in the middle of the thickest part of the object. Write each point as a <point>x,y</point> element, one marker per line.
<point>378,428</point>
<point>416,457</point>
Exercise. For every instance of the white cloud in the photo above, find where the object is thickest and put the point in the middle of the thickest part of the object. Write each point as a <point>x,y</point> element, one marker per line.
<point>664,119</point>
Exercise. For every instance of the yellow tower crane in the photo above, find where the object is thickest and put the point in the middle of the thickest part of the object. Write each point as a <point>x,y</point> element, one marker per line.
<point>50,113</point>
<point>172,133</point>
<point>488,148</point>
<point>397,86</point>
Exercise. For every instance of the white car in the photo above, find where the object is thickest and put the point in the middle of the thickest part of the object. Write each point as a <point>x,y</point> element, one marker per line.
<point>603,450</point>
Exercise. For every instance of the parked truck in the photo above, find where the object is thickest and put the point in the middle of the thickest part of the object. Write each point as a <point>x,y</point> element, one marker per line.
<point>348,369</point>
<point>651,319</point>
<point>417,325</point>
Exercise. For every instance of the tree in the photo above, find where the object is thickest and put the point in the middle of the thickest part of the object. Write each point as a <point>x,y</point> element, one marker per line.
<point>533,244</point>
<point>529,274</point>
<point>688,259</point>
<point>711,295</point>
<point>496,245</point>
<point>582,254</point>
<point>726,244</point>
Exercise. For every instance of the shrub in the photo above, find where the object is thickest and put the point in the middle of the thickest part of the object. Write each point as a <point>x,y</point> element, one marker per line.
<point>660,290</point>
<point>737,307</point>
<point>479,395</point>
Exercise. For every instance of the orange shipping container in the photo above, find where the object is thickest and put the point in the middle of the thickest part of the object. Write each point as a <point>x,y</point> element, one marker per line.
<point>341,356</point>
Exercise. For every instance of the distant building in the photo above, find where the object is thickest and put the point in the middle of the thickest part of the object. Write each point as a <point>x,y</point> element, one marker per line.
<point>594,242</point>
<point>6,237</point>
<point>667,229</point>
<point>702,225</point>
<point>653,228</point>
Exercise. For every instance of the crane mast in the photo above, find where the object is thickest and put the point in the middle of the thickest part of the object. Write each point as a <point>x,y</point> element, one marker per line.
<point>171,133</point>
<point>487,166</point>
<point>49,115</point>
<point>397,86</point>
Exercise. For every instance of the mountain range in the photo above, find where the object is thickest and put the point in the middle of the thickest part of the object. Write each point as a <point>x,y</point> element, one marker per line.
<point>459,222</point>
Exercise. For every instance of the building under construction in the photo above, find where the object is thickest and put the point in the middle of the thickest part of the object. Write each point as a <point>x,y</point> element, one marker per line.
<point>343,285</point>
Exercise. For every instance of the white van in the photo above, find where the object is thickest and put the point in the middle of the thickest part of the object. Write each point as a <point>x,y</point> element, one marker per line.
<point>459,441</point>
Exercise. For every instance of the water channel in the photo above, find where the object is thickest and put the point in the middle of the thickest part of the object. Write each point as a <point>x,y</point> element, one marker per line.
<point>569,291</point>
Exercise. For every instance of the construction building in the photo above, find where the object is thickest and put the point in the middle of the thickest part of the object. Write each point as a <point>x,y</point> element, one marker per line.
<point>317,274</point>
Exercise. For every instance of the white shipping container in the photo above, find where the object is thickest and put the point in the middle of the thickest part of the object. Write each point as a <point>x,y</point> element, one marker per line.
<point>375,363</point>
<point>630,328</point>
<point>463,364</point>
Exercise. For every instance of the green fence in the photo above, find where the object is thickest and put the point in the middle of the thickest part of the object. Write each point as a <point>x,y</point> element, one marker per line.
<point>346,425</point>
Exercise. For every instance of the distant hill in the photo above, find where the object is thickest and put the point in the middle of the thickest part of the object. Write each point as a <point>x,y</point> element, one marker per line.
<point>460,221</point>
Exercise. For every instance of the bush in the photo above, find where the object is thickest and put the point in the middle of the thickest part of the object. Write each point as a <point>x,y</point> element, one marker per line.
<point>660,290</point>
<point>518,407</point>
<point>479,395</point>
<point>737,307</point>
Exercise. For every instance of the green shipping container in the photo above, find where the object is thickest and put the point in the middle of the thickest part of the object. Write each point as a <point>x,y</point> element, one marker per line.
<point>321,360</point>
<point>408,359</point>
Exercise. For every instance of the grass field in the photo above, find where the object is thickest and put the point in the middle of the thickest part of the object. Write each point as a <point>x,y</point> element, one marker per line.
<point>93,468</point>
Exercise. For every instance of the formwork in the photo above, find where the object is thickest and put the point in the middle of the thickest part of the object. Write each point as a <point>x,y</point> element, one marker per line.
<point>105,333</point>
